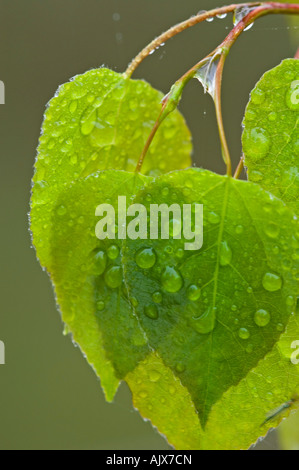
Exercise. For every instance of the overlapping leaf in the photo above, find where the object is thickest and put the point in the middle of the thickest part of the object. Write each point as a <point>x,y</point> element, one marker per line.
<point>88,278</point>
<point>98,121</point>
<point>223,308</point>
<point>201,337</point>
<point>271,135</point>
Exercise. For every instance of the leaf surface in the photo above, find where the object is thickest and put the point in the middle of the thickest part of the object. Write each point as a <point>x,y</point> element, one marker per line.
<point>221,309</point>
<point>88,279</point>
<point>271,134</point>
<point>99,121</point>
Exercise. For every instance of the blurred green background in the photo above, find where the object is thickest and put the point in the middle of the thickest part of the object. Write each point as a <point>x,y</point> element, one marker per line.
<point>49,396</point>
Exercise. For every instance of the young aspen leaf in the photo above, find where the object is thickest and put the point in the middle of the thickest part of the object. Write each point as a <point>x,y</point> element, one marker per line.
<point>222,308</point>
<point>98,121</point>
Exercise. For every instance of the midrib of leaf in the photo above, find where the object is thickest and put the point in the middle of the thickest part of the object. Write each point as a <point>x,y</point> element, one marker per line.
<point>215,277</point>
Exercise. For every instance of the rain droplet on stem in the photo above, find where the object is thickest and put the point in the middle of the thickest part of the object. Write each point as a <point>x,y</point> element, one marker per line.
<point>240,14</point>
<point>206,75</point>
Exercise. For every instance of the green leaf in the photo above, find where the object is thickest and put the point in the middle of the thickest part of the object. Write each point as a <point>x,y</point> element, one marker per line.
<point>236,420</point>
<point>87,275</point>
<point>271,134</point>
<point>97,121</point>
<point>221,309</point>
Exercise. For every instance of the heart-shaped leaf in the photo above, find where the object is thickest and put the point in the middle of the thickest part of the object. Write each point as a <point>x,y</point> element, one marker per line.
<point>213,314</point>
<point>97,121</point>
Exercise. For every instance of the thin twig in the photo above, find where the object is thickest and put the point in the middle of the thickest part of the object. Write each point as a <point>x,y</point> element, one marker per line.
<point>218,107</point>
<point>172,99</point>
<point>174,30</point>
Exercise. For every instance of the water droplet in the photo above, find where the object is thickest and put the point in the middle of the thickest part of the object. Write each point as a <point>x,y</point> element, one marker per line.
<point>213,218</point>
<point>154,375</point>
<point>73,106</point>
<point>100,306</point>
<point>146,258</point>
<point>113,252</point>
<point>206,322</point>
<point>239,229</point>
<point>262,317</point>
<point>280,327</point>
<point>151,312</point>
<point>272,116</point>
<point>51,144</point>
<point>225,254</point>
<point>157,297</point>
<point>256,142</point>
<point>271,282</point>
<point>74,159</point>
<point>61,210</point>
<point>113,277</point>
<point>272,230</point>
<point>193,293</point>
<point>209,20</point>
<point>88,120</point>
<point>244,333</point>
<point>207,73</point>
<point>221,16</point>
<point>290,301</point>
<point>240,14</point>
<point>250,115</point>
<point>257,96</point>
<point>100,262</point>
<point>292,96</point>
<point>172,280</point>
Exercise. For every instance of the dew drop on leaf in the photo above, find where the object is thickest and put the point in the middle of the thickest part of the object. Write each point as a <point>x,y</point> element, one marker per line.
<point>61,210</point>
<point>272,282</point>
<point>262,317</point>
<point>88,120</point>
<point>157,297</point>
<point>213,218</point>
<point>113,252</point>
<point>256,142</point>
<point>225,254</point>
<point>258,96</point>
<point>146,258</point>
<point>100,262</point>
<point>193,293</point>
<point>172,280</point>
<point>154,375</point>
<point>244,333</point>
<point>100,306</point>
<point>272,230</point>
<point>151,311</point>
<point>113,277</point>
<point>292,96</point>
<point>205,323</point>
